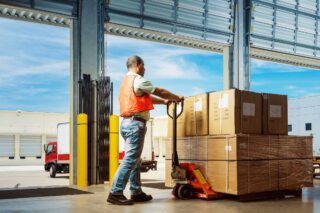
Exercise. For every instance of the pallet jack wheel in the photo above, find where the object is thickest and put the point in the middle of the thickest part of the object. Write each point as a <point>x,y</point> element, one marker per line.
<point>184,192</point>
<point>175,190</point>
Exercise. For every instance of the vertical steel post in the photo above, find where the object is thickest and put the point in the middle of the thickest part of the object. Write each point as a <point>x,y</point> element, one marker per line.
<point>240,72</point>
<point>94,139</point>
<point>87,58</point>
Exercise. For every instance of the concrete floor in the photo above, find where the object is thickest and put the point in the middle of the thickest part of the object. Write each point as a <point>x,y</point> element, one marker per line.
<point>162,202</point>
<point>29,176</point>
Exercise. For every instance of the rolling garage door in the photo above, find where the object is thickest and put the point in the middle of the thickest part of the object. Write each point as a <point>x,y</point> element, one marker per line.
<point>6,145</point>
<point>30,146</point>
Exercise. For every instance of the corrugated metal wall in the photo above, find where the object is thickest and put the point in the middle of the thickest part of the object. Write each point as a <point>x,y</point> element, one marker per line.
<point>209,20</point>
<point>286,25</point>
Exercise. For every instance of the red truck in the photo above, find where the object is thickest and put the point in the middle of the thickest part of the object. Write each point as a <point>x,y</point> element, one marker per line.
<point>57,152</point>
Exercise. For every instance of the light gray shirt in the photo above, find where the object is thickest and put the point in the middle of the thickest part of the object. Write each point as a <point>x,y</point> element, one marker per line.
<point>141,86</point>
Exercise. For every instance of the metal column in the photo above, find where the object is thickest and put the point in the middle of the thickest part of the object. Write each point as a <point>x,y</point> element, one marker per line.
<point>239,66</point>
<point>87,58</point>
<point>227,67</point>
<point>74,96</point>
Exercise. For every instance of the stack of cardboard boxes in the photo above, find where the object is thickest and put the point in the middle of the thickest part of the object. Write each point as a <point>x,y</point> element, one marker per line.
<point>239,141</point>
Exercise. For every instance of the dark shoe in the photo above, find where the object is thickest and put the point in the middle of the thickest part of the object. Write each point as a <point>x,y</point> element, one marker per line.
<point>143,197</point>
<point>118,199</point>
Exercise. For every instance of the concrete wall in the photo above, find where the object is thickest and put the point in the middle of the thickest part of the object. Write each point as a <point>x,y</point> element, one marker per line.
<point>305,110</point>
<point>19,123</point>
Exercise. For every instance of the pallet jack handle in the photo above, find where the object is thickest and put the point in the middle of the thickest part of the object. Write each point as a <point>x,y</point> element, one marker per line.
<point>174,117</point>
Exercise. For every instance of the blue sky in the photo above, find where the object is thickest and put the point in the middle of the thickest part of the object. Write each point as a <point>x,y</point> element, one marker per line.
<point>35,69</point>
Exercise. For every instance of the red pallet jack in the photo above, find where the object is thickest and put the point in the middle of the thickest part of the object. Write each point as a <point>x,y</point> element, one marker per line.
<point>190,183</point>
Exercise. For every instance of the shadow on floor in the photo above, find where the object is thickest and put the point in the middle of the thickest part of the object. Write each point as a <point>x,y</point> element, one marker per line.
<point>62,177</point>
<point>158,185</point>
<point>39,192</point>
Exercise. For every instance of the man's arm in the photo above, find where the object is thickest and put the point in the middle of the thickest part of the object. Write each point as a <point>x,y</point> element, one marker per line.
<point>165,94</point>
<point>156,100</point>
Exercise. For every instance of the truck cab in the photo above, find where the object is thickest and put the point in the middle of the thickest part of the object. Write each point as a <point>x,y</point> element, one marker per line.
<point>51,153</point>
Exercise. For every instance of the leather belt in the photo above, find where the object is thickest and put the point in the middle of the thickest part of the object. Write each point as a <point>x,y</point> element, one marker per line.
<point>137,119</point>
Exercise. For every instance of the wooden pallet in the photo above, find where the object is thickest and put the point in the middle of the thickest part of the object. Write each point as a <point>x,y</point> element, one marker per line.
<point>267,195</point>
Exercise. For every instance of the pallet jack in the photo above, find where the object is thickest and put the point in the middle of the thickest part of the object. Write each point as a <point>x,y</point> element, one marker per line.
<point>189,181</point>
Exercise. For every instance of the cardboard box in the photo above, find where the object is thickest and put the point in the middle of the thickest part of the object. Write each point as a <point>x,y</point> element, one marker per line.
<point>242,147</point>
<point>235,111</point>
<point>243,177</point>
<point>235,177</point>
<point>294,147</point>
<point>188,148</point>
<point>225,147</point>
<point>197,113</point>
<point>275,114</point>
<point>295,174</point>
<point>194,119</point>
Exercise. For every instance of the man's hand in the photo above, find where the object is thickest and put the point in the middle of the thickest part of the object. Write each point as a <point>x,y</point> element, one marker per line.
<point>181,98</point>
<point>166,101</point>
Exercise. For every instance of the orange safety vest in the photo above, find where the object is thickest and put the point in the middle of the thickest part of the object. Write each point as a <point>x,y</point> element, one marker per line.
<point>130,103</point>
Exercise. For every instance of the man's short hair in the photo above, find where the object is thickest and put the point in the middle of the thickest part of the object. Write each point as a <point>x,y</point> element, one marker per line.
<point>134,60</point>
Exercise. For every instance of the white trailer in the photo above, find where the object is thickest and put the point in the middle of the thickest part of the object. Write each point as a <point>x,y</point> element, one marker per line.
<point>147,156</point>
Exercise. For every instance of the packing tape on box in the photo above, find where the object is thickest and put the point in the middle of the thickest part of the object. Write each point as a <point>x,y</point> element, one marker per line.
<point>221,106</point>
<point>227,163</point>
<point>195,117</point>
<point>206,158</point>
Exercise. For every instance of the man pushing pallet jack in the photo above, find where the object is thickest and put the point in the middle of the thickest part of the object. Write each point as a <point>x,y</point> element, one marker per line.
<point>189,181</point>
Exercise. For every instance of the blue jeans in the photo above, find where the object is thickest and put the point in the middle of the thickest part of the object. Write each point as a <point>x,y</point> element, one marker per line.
<point>133,132</point>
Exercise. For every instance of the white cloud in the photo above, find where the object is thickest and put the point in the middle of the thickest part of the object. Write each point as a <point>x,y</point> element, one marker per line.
<point>259,83</point>
<point>116,68</point>
<point>164,67</point>
<point>12,73</point>
<point>290,87</point>
<point>161,61</point>
<point>161,67</point>
<point>259,63</point>
<point>197,90</point>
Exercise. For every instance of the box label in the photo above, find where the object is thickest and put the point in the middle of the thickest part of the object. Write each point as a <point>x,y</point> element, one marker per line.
<point>248,109</point>
<point>228,148</point>
<point>224,101</point>
<point>275,111</point>
<point>198,105</point>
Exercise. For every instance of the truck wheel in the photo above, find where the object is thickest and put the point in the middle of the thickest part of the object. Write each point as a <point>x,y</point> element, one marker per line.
<point>53,170</point>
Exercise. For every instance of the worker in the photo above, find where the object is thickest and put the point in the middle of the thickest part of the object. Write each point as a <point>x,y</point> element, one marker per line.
<point>136,98</point>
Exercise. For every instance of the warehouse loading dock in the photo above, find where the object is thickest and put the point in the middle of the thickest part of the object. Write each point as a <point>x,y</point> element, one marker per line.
<point>76,203</point>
